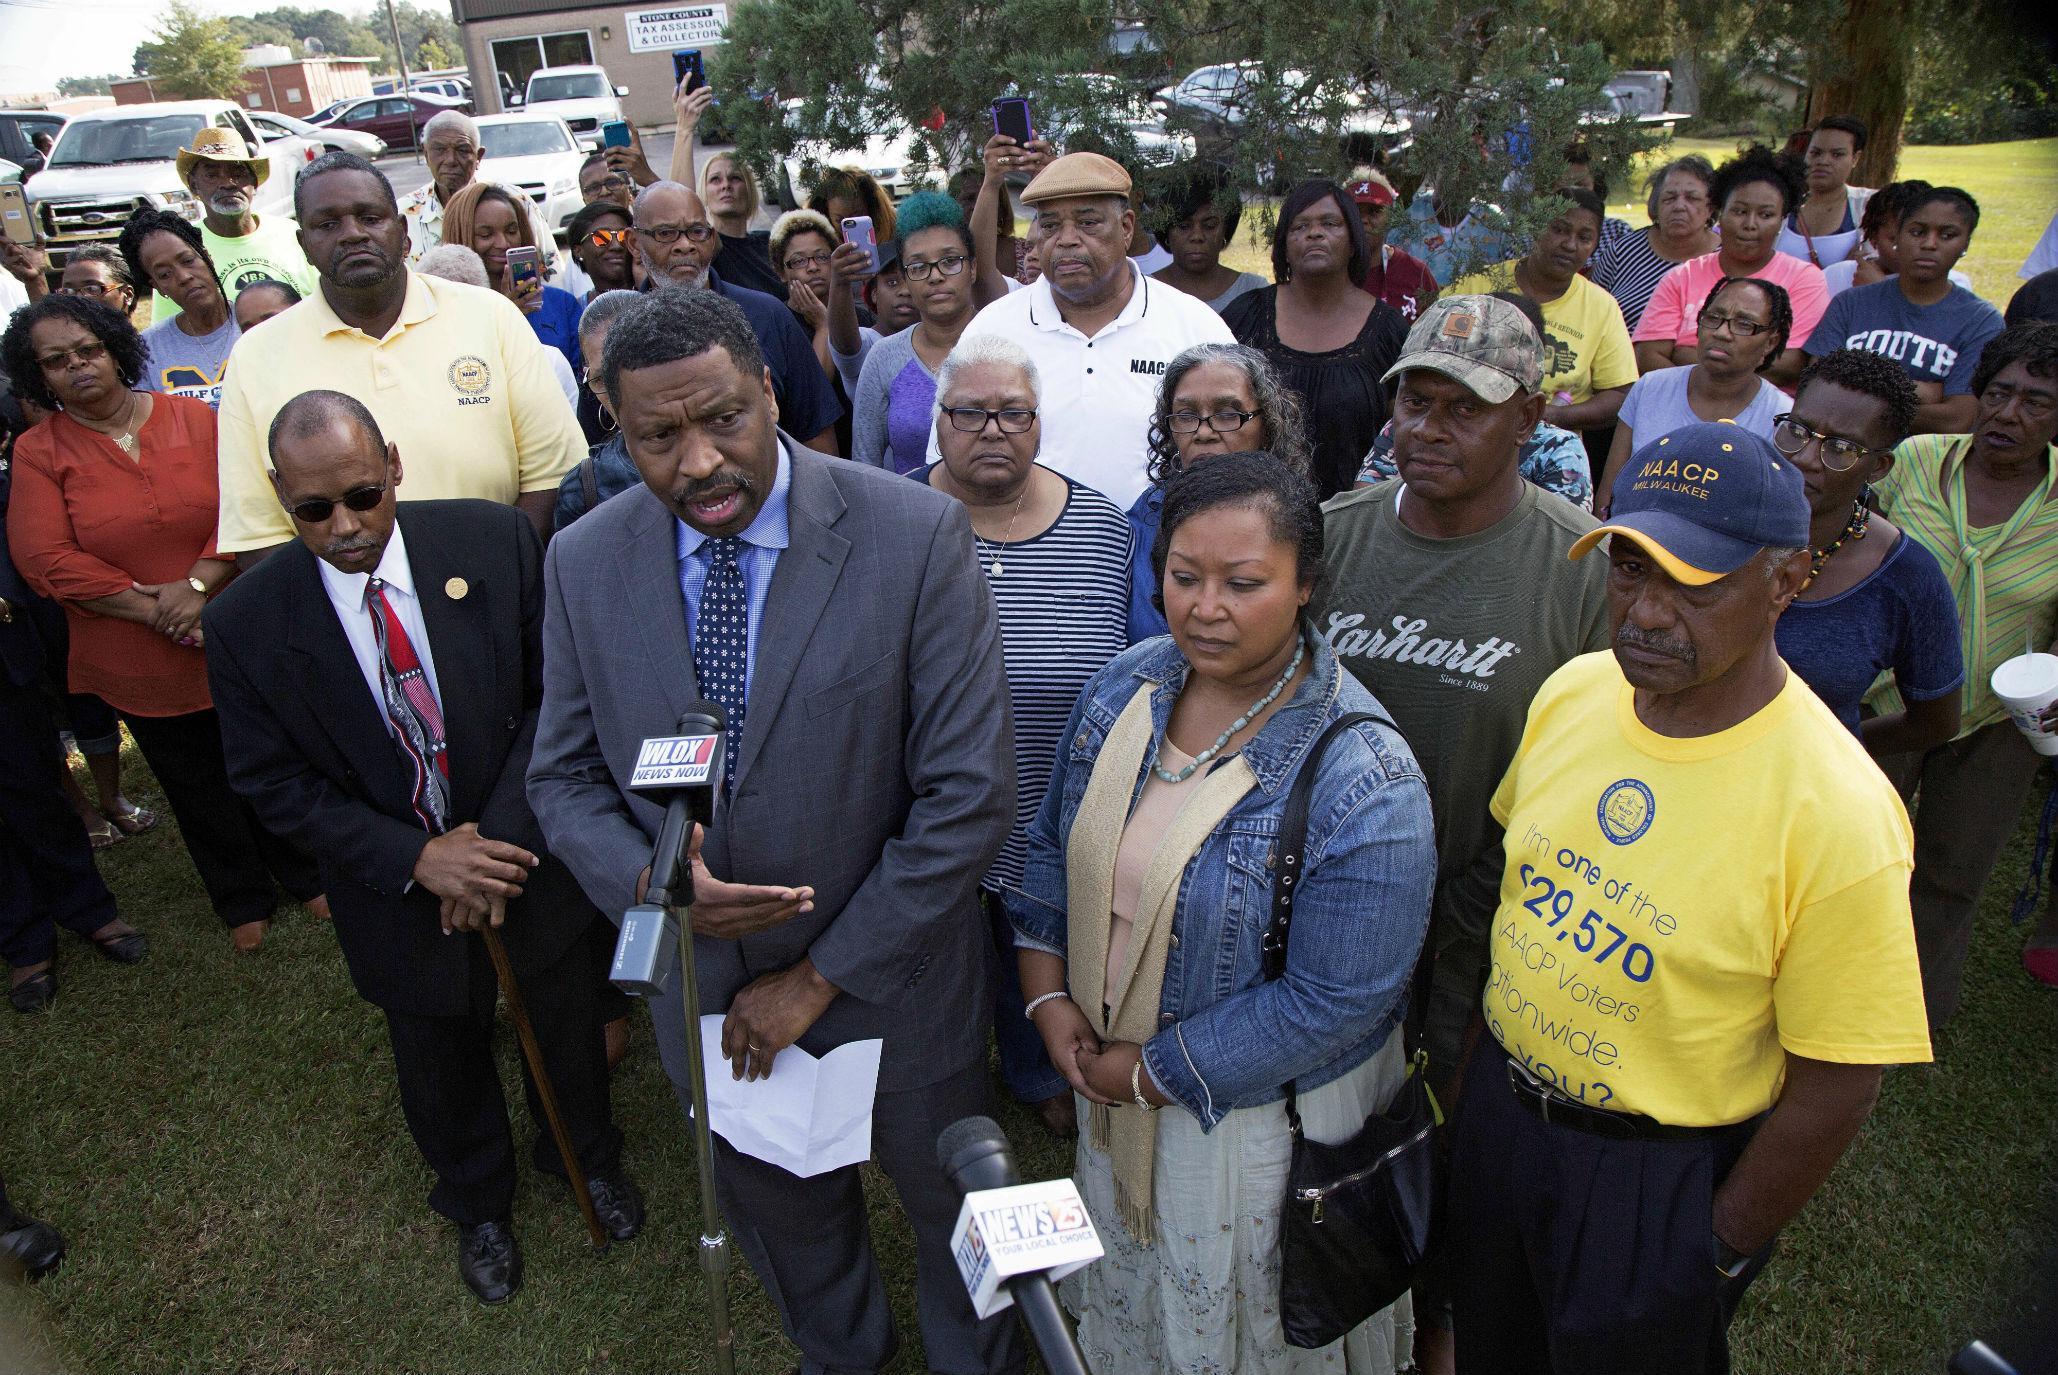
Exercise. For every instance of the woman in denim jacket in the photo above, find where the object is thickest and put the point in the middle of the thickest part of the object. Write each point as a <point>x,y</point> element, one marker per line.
<point>1147,890</point>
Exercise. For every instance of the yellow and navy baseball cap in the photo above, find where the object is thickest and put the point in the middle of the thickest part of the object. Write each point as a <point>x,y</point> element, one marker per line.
<point>1705,498</point>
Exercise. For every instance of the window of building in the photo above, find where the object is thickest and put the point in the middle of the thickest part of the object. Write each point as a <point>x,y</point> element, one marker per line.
<point>516,58</point>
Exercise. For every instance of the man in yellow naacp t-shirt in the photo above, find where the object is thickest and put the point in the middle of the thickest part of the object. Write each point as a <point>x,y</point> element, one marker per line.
<point>1703,954</point>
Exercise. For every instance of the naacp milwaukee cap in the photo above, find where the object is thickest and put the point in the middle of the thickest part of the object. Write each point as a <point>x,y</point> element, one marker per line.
<point>1485,343</point>
<point>1705,498</point>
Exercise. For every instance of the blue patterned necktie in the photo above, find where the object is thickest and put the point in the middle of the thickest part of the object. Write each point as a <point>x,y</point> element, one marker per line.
<point>721,642</point>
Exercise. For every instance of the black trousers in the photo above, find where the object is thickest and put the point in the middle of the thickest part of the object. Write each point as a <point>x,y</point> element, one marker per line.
<point>1573,1254</point>
<point>236,857</point>
<point>450,1086</point>
<point>47,878</point>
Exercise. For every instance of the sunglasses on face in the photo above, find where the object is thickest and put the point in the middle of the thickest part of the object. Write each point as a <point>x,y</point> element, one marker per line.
<point>318,510</point>
<point>607,238</point>
<point>84,354</point>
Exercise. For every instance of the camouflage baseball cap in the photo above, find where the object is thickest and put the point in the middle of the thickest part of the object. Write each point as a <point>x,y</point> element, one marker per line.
<point>1487,344</point>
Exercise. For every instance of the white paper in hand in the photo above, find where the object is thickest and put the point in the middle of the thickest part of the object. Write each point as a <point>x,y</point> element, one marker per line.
<point>811,1116</point>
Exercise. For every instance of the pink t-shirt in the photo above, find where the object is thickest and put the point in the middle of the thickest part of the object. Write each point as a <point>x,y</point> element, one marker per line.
<point>1676,303</point>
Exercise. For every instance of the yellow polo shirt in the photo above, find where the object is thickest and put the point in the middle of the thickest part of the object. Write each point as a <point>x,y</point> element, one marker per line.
<point>460,384</point>
<point>1679,915</point>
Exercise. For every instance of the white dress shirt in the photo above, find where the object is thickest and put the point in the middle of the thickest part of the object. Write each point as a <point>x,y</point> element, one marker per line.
<point>347,594</point>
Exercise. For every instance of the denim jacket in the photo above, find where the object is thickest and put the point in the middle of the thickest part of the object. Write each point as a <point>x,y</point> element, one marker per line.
<point>1227,1037</point>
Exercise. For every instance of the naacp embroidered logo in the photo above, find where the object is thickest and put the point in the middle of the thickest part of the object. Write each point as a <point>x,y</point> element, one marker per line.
<point>469,375</point>
<point>1626,811</point>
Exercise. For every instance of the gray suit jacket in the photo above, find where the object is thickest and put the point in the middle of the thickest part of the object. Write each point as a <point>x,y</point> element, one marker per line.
<point>876,762</point>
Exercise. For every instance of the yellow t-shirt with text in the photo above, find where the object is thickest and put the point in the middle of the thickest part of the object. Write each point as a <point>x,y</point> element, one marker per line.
<point>1586,344</point>
<point>1679,914</point>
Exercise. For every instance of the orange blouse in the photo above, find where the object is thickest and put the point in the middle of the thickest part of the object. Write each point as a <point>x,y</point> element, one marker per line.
<point>86,520</point>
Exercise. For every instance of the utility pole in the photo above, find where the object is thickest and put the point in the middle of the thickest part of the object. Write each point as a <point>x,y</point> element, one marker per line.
<point>400,56</point>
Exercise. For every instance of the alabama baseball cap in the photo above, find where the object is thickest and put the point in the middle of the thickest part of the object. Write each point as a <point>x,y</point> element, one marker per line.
<point>1368,187</point>
<point>1487,344</point>
<point>1703,499</point>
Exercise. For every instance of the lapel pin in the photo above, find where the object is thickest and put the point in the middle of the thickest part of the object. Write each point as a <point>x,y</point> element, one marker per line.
<point>456,588</point>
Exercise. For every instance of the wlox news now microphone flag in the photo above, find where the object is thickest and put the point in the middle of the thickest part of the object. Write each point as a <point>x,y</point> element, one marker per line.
<point>671,766</point>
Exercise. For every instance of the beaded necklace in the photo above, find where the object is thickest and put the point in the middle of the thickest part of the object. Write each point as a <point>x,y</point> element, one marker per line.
<point>1300,649</point>
<point>1861,516</point>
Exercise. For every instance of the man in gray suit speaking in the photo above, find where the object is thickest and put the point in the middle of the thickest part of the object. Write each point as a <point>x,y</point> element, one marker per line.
<point>837,615</point>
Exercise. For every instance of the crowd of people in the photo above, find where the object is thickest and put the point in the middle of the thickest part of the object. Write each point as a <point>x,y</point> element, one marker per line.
<point>1028,571</point>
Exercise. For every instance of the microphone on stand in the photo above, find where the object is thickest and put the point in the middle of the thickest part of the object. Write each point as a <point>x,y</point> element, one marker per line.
<point>975,1158</point>
<point>683,769</point>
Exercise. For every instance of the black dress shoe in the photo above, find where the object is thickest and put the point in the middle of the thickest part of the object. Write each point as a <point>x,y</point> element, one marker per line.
<point>490,1261</point>
<point>127,948</point>
<point>36,1247</point>
<point>34,993</point>
<point>617,1202</point>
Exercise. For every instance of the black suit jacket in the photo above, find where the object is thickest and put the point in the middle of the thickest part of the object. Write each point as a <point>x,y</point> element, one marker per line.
<point>308,745</point>
<point>34,634</point>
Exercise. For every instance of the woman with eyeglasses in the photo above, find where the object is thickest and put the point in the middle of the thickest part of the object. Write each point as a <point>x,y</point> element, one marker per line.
<point>113,515</point>
<point>1216,399</point>
<point>1742,326</point>
<point>1056,555</point>
<point>96,271</point>
<point>1331,342</point>
<point>892,409</point>
<point>602,250</point>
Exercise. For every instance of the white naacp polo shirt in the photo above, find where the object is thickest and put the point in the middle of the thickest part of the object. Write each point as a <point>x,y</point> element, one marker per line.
<point>1097,394</point>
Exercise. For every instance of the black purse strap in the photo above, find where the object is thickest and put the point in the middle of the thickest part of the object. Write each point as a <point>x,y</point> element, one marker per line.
<point>1291,851</point>
<point>589,480</point>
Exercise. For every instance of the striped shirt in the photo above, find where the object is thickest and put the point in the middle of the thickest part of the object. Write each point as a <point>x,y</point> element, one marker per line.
<point>2005,576</point>
<point>1063,601</point>
<point>1629,270</point>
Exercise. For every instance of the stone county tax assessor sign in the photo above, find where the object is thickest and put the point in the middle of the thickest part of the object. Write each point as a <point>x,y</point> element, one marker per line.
<point>684,26</point>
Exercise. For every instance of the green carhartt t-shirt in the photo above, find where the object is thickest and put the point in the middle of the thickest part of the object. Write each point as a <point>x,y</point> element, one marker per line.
<point>271,250</point>
<point>1454,637</point>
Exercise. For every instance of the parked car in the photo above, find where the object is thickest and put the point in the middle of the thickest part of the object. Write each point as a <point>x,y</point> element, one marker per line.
<point>18,130</point>
<point>580,96</point>
<point>397,120</point>
<point>110,163</point>
<point>449,87</point>
<point>272,124</point>
<point>536,155</point>
<point>885,155</point>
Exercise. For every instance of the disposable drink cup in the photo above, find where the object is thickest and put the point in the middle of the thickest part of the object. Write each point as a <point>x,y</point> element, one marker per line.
<point>2026,684</point>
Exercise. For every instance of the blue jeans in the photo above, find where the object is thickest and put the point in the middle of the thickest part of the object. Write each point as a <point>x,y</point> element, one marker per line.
<point>1025,1065</point>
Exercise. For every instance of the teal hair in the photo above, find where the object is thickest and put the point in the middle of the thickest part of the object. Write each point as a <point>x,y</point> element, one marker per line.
<point>930,210</point>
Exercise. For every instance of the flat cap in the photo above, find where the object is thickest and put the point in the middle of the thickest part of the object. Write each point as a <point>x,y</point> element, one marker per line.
<point>1078,174</point>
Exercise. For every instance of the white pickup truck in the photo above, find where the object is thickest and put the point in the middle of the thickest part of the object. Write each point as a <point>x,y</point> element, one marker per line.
<point>110,163</point>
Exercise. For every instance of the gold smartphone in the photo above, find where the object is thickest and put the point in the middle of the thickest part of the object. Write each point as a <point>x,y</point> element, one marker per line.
<point>15,221</point>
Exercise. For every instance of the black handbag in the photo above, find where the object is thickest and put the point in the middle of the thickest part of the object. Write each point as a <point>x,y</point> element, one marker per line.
<point>1359,1215</point>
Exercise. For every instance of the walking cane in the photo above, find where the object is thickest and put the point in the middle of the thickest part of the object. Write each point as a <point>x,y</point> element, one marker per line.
<point>545,1090</point>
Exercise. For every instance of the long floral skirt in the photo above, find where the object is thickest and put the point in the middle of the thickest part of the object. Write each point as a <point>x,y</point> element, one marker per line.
<point>1204,1298</point>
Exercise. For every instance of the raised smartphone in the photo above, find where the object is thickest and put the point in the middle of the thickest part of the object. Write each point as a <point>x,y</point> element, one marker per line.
<point>687,67</point>
<point>1011,117</point>
<point>15,221</point>
<point>858,230</point>
<point>615,134</point>
<point>524,264</point>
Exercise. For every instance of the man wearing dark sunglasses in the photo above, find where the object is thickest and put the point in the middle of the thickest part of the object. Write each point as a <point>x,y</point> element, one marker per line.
<point>378,683</point>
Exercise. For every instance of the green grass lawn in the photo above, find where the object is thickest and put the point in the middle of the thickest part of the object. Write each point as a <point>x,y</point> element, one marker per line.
<point>220,1138</point>
<point>2016,185</point>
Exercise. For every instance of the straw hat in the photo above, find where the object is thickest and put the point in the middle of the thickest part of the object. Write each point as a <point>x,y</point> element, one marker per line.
<point>213,144</point>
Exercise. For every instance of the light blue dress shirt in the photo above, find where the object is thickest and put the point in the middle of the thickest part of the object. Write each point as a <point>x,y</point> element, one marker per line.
<point>763,539</point>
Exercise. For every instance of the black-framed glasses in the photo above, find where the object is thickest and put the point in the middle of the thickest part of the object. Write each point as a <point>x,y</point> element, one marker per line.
<point>1839,455</point>
<point>972,419</point>
<point>800,260</point>
<point>361,499</point>
<point>918,271</point>
<point>1739,327</point>
<point>1225,421</point>
<point>699,232</point>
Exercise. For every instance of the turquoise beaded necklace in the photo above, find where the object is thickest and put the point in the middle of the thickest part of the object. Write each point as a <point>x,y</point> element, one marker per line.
<point>1300,649</point>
